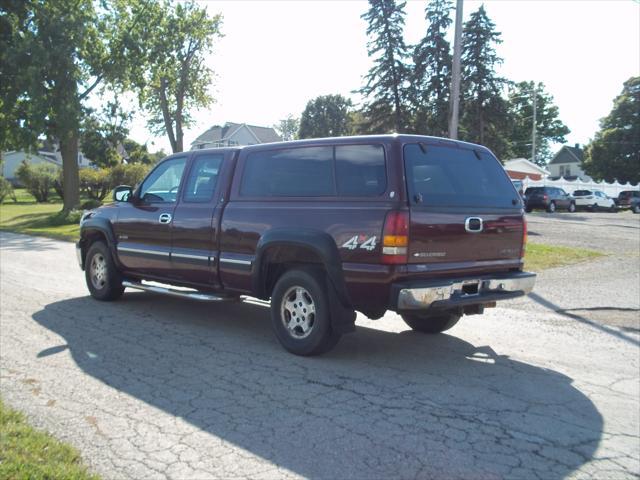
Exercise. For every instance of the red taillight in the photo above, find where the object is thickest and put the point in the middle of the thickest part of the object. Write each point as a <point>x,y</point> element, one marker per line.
<point>524,237</point>
<point>395,237</point>
<point>546,197</point>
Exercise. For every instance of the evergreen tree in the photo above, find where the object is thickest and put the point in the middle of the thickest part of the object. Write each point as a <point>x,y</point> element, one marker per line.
<point>325,116</point>
<point>384,90</point>
<point>614,154</point>
<point>485,114</point>
<point>549,128</point>
<point>431,76</point>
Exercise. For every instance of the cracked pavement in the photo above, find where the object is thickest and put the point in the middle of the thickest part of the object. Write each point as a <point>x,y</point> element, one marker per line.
<point>156,387</point>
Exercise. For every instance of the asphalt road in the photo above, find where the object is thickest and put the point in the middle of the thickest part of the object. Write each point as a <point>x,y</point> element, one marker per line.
<point>155,387</point>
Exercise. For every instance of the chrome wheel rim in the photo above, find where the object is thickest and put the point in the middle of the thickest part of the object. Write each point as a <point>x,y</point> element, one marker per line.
<point>98,271</point>
<point>298,312</point>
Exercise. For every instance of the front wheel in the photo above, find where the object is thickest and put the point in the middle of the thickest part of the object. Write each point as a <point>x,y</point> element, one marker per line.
<point>430,323</point>
<point>101,274</point>
<point>572,207</point>
<point>300,313</point>
<point>636,208</point>
<point>552,207</point>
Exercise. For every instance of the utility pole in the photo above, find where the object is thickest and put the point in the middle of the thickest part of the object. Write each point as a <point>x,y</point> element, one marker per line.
<point>533,127</point>
<point>455,75</point>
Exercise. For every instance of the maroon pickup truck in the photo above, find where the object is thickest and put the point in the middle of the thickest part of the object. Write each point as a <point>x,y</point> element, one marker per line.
<point>427,227</point>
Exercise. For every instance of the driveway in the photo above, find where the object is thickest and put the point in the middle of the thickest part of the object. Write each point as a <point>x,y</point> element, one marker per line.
<point>155,387</point>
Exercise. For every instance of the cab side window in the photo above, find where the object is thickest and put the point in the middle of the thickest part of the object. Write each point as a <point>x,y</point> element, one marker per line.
<point>163,183</point>
<point>202,179</point>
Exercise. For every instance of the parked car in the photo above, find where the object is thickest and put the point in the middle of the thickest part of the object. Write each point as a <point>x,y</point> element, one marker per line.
<point>635,204</point>
<point>594,200</point>
<point>549,199</point>
<point>625,199</point>
<point>430,228</point>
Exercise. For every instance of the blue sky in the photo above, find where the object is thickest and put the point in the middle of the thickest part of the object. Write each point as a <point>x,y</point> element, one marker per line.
<point>277,55</point>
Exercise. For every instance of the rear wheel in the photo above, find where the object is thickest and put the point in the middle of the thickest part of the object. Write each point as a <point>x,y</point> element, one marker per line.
<point>102,276</point>
<point>552,207</point>
<point>300,313</point>
<point>636,208</point>
<point>430,323</point>
<point>572,207</point>
<point>594,207</point>
<point>613,208</point>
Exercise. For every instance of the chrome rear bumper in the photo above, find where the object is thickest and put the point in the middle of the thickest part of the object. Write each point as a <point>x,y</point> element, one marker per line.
<point>465,291</point>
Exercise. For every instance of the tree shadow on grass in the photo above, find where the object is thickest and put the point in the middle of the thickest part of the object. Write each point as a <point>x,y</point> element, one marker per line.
<point>381,405</point>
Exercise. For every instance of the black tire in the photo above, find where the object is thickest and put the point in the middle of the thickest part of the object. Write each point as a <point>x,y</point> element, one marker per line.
<point>572,208</point>
<point>636,208</point>
<point>594,207</point>
<point>101,274</point>
<point>430,323</point>
<point>552,207</point>
<point>613,209</point>
<point>528,209</point>
<point>299,330</point>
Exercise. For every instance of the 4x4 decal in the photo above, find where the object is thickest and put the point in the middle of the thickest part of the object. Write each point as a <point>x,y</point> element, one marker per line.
<point>360,241</point>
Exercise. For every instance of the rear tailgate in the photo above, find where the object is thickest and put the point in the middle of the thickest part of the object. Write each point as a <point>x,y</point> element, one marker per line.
<point>464,210</point>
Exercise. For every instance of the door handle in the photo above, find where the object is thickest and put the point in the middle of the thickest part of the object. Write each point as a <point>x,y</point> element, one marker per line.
<point>165,218</point>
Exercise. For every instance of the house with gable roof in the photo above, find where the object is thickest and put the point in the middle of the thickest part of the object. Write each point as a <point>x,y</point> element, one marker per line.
<point>234,134</point>
<point>567,163</point>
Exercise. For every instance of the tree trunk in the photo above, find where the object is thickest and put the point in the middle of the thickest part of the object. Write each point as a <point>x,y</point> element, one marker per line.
<point>168,125</point>
<point>70,179</point>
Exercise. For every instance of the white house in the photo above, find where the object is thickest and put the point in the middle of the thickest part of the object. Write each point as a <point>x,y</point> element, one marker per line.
<point>11,161</point>
<point>521,168</point>
<point>567,163</point>
<point>233,134</point>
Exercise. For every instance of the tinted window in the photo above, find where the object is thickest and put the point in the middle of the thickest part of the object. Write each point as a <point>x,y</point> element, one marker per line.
<point>202,179</point>
<point>291,172</point>
<point>532,190</point>
<point>581,193</point>
<point>360,170</point>
<point>447,176</point>
<point>162,183</point>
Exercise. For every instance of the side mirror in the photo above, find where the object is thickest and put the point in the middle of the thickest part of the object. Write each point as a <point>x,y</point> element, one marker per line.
<point>122,193</point>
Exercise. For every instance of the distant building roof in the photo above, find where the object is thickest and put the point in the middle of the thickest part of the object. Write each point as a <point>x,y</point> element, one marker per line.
<point>525,166</point>
<point>568,155</point>
<point>219,133</point>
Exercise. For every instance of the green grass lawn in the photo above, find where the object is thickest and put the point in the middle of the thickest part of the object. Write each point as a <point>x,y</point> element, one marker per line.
<point>27,216</point>
<point>26,453</point>
<point>539,256</point>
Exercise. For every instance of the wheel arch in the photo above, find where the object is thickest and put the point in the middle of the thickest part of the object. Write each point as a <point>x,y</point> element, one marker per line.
<point>93,230</point>
<point>280,249</point>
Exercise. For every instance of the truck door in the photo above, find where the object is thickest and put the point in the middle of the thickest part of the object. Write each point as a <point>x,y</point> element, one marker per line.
<point>143,227</point>
<point>194,246</point>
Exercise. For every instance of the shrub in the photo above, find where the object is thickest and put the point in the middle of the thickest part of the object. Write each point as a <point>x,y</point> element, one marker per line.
<point>90,204</point>
<point>128,174</point>
<point>6,190</point>
<point>95,183</point>
<point>38,179</point>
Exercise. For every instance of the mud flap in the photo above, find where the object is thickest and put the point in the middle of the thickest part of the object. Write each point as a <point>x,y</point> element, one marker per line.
<point>343,319</point>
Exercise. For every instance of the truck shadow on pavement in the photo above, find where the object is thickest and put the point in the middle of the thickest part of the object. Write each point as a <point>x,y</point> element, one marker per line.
<point>381,405</point>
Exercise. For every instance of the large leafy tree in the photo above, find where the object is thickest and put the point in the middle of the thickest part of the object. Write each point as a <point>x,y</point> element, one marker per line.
<point>431,76</point>
<point>614,153</point>
<point>549,127</point>
<point>53,55</point>
<point>174,79</point>
<point>485,113</point>
<point>325,116</point>
<point>385,91</point>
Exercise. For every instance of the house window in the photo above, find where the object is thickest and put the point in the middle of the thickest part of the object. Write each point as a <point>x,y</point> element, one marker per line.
<point>562,171</point>
<point>568,171</point>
